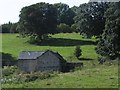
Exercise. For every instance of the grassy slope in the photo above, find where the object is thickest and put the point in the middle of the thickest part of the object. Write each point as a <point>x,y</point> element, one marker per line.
<point>97,77</point>
<point>92,75</point>
<point>64,46</point>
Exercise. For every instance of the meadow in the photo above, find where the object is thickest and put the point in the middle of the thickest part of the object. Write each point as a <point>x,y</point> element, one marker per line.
<point>61,43</point>
<point>92,75</point>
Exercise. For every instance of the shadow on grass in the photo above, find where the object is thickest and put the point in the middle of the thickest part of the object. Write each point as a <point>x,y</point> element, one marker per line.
<point>64,42</point>
<point>86,59</point>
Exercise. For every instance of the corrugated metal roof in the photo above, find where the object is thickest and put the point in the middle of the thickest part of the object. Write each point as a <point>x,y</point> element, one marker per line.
<point>30,54</point>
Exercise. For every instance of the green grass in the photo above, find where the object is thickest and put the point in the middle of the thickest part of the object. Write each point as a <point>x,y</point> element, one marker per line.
<point>92,74</point>
<point>64,44</point>
<point>100,76</point>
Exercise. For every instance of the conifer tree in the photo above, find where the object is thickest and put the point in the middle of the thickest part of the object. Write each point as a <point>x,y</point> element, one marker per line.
<point>77,52</point>
<point>109,43</point>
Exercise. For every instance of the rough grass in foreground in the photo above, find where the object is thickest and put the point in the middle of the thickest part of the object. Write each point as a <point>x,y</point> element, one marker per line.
<point>100,76</point>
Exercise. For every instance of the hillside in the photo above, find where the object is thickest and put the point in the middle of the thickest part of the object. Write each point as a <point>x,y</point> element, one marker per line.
<point>92,75</point>
<point>61,43</point>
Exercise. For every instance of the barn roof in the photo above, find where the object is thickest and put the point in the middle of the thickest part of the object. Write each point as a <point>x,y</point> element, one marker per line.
<point>34,54</point>
<point>30,54</point>
<point>57,55</point>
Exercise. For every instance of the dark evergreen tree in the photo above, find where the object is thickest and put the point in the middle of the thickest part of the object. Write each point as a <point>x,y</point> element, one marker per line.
<point>77,52</point>
<point>109,43</point>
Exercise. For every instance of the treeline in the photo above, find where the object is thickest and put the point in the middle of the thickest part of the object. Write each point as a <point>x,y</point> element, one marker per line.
<point>100,19</point>
<point>59,16</point>
<point>9,27</point>
<point>45,18</point>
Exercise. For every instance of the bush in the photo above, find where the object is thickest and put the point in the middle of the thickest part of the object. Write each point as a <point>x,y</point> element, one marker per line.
<point>9,70</point>
<point>64,28</point>
<point>78,52</point>
<point>74,28</point>
<point>7,59</point>
<point>11,74</point>
<point>34,39</point>
<point>32,76</point>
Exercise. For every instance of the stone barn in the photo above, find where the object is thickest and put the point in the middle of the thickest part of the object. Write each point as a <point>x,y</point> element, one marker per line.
<point>31,61</point>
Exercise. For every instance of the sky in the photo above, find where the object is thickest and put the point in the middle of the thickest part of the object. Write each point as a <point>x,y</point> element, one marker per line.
<point>10,9</point>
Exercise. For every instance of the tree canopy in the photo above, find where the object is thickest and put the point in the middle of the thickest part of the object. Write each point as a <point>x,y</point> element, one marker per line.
<point>65,14</point>
<point>109,45</point>
<point>38,20</point>
<point>6,27</point>
<point>90,18</point>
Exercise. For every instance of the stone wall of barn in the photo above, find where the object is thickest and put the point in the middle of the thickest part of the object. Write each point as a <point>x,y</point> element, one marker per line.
<point>48,62</point>
<point>5,62</point>
<point>27,65</point>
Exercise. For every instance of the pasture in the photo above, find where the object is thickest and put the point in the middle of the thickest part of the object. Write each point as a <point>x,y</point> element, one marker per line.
<point>92,75</point>
<point>61,43</point>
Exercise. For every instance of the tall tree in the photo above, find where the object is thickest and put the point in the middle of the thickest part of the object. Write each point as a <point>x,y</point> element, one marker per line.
<point>65,14</point>
<point>38,20</point>
<point>90,18</point>
<point>109,43</point>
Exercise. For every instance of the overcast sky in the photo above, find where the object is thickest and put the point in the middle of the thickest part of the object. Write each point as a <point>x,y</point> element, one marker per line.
<point>10,9</point>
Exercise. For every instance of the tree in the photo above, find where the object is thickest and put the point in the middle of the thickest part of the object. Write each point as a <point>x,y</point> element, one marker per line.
<point>74,9</point>
<point>74,28</point>
<point>78,52</point>
<point>38,20</point>
<point>6,27</point>
<point>65,14</point>
<point>63,28</point>
<point>90,18</point>
<point>13,28</point>
<point>108,44</point>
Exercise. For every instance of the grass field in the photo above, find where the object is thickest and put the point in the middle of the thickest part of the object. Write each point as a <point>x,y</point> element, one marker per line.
<point>92,75</point>
<point>62,43</point>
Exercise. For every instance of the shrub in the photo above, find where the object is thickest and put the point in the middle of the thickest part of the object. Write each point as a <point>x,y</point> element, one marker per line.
<point>32,76</point>
<point>78,52</point>
<point>64,28</point>
<point>74,28</point>
<point>8,70</point>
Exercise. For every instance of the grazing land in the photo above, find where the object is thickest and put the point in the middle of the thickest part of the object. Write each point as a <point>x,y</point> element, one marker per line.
<point>62,43</point>
<point>92,75</point>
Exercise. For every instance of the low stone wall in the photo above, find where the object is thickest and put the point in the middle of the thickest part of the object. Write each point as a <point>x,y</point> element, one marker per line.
<point>65,67</point>
<point>71,65</point>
